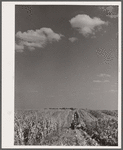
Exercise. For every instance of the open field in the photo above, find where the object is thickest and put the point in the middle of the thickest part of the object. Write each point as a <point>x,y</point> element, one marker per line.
<point>58,127</point>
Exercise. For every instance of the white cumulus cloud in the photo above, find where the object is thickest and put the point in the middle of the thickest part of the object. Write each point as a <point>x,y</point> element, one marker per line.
<point>38,38</point>
<point>73,39</point>
<point>105,81</point>
<point>19,48</point>
<point>87,25</point>
<point>104,75</point>
<point>97,81</point>
<point>113,91</point>
<point>101,81</point>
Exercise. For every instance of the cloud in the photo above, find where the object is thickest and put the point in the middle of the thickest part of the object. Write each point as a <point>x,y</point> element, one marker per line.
<point>111,11</point>
<point>104,75</point>
<point>73,39</point>
<point>113,91</point>
<point>38,38</point>
<point>105,81</point>
<point>87,25</point>
<point>50,96</point>
<point>97,81</point>
<point>112,16</point>
<point>101,81</point>
<point>19,48</point>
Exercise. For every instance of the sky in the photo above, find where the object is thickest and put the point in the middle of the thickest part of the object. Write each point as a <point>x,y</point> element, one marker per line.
<point>66,56</point>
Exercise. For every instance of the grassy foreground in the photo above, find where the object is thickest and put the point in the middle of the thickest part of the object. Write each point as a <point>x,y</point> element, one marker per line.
<point>52,127</point>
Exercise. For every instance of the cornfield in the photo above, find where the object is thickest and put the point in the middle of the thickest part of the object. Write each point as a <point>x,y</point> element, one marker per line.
<point>52,127</point>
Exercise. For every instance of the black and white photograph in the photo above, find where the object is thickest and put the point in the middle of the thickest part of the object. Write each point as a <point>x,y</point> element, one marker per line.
<point>66,75</point>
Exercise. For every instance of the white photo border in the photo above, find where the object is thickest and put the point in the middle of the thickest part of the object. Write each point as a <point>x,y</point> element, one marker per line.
<point>8,71</point>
